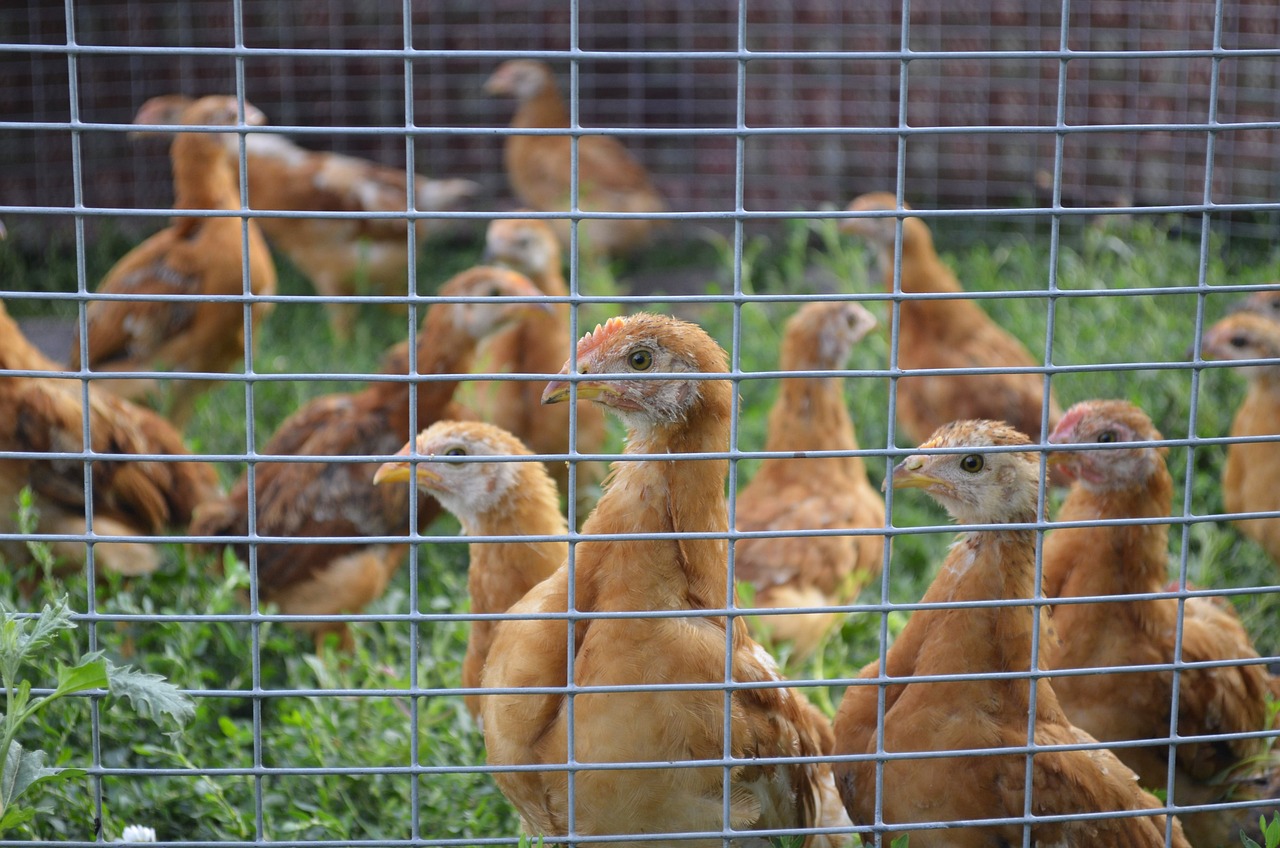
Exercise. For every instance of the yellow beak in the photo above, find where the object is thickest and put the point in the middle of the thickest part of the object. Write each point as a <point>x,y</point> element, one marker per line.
<point>557,391</point>
<point>402,472</point>
<point>907,474</point>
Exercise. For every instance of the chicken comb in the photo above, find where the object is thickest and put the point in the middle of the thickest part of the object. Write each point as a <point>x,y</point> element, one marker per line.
<point>602,334</point>
<point>1069,420</point>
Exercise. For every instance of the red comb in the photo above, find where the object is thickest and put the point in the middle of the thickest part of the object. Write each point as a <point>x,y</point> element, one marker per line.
<point>1068,422</point>
<point>602,334</point>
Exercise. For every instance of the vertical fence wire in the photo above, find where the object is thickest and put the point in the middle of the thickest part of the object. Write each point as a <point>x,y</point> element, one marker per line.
<point>743,136</point>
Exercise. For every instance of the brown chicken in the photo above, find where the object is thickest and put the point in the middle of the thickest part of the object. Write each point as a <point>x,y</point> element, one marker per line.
<point>981,487</point>
<point>1133,559</point>
<point>193,256</point>
<point>130,498</point>
<point>678,495</point>
<point>948,334</point>
<point>539,344</point>
<point>489,499</point>
<point>539,166</point>
<point>341,256</point>
<point>811,493</point>
<point>303,500</point>
<point>1265,303</point>
<point>1251,479</point>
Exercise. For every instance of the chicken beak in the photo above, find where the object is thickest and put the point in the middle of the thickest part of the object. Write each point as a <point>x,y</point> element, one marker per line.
<point>404,472</point>
<point>557,391</point>
<point>907,474</point>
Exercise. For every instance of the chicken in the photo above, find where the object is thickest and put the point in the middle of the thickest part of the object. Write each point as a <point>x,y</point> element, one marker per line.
<point>489,499</point>
<point>130,497</point>
<point>948,333</point>
<point>538,345</point>
<point>1265,303</point>
<point>539,167</point>
<point>811,493</point>
<point>624,575</point>
<point>192,257</point>
<point>302,500</point>
<point>1251,479</point>
<point>982,487</point>
<point>1133,559</point>
<point>341,256</point>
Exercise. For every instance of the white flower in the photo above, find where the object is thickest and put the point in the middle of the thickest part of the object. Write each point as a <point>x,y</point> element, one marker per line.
<point>138,833</point>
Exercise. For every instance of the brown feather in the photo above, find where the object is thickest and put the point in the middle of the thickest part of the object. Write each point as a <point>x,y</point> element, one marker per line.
<point>981,713</point>
<point>539,167</point>
<point>811,493</point>
<point>682,496</point>
<point>194,256</point>
<point>302,500</point>
<point>46,414</point>
<point>1133,559</point>
<point>948,334</point>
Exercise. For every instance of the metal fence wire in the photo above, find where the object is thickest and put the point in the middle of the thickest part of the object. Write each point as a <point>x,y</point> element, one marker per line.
<point>997,121</point>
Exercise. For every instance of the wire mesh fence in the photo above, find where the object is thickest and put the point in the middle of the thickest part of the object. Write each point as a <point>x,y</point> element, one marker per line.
<point>1082,159</point>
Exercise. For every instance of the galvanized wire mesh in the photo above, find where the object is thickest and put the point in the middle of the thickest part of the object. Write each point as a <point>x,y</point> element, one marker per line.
<point>746,114</point>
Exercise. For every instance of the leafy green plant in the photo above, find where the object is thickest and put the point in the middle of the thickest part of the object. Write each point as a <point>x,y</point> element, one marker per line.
<point>21,637</point>
<point>1270,834</point>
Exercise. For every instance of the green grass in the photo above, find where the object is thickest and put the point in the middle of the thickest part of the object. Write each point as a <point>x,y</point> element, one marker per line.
<point>323,732</point>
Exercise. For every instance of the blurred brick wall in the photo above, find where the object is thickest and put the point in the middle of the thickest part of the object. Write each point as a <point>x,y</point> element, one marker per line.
<point>783,172</point>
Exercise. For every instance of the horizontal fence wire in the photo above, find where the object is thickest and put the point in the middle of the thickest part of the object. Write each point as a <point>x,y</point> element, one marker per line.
<point>999,124</point>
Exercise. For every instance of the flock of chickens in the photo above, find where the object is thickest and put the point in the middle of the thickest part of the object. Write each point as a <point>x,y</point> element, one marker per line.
<point>931,739</point>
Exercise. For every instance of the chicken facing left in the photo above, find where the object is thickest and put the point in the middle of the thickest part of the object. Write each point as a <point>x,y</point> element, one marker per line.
<point>198,256</point>
<point>489,499</point>
<point>670,417</point>
<point>305,500</point>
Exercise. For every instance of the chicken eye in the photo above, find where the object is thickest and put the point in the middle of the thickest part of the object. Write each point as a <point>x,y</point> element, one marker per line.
<point>1238,341</point>
<point>456,452</point>
<point>972,463</point>
<point>640,360</point>
<point>1106,437</point>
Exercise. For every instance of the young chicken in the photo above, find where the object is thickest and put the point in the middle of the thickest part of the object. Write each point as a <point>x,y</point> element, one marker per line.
<point>489,499</point>
<point>811,493</point>
<point>130,498</point>
<point>948,334</point>
<point>302,500</point>
<point>1266,303</point>
<point>678,495</point>
<point>538,345</point>
<point>539,166</point>
<point>1251,479</point>
<point>341,256</point>
<point>1133,559</point>
<point>193,256</point>
<point>981,487</point>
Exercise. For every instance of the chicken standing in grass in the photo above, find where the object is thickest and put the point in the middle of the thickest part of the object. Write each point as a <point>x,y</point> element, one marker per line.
<point>193,256</point>
<point>341,256</point>
<point>669,417</point>
<point>1251,479</point>
<point>948,333</point>
<point>489,499</point>
<point>1133,559</point>
<point>304,500</point>
<point>981,487</point>
<point>539,344</point>
<point>130,497</point>
<point>539,167</point>
<point>811,493</point>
